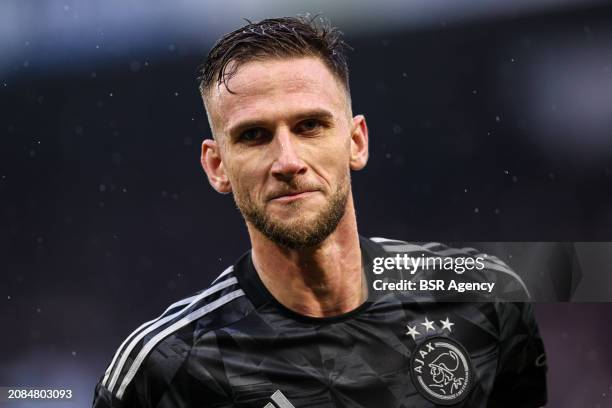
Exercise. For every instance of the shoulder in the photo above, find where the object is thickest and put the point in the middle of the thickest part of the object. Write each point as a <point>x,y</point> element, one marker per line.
<point>160,346</point>
<point>470,264</point>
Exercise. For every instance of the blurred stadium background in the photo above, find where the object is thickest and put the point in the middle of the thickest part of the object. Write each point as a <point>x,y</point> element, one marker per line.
<point>489,121</point>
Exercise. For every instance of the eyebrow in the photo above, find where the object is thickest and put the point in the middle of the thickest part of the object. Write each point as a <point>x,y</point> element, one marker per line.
<point>321,114</point>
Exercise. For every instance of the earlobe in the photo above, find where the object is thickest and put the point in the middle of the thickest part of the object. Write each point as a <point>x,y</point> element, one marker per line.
<point>359,143</point>
<point>213,167</point>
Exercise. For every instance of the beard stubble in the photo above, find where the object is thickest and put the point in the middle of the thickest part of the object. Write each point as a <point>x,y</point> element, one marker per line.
<point>299,233</point>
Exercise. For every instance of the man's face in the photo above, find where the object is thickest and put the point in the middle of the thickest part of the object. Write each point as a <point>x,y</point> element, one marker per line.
<point>284,141</point>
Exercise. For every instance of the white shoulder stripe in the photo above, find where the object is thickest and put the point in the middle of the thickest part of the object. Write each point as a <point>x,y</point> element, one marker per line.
<point>380,239</point>
<point>431,245</point>
<point>160,322</point>
<point>492,262</point>
<point>145,324</point>
<point>406,248</point>
<point>449,252</point>
<point>229,269</point>
<point>169,330</point>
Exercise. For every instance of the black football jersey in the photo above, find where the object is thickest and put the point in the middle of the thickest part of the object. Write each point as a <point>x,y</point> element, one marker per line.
<point>235,345</point>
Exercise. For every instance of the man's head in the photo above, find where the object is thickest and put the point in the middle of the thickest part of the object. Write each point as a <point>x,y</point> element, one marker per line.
<point>277,98</point>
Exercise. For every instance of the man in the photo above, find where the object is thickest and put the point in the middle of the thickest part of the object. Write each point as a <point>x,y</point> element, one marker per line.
<point>298,320</point>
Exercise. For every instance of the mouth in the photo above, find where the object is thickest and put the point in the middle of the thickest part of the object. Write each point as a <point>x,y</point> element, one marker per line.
<point>292,196</point>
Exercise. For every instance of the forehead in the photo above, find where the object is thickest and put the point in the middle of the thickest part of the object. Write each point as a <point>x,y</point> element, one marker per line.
<point>273,88</point>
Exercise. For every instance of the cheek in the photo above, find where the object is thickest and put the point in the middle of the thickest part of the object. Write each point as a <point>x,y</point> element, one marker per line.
<point>331,165</point>
<point>244,177</point>
<point>335,156</point>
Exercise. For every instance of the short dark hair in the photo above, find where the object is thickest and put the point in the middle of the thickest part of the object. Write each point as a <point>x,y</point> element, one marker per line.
<point>284,37</point>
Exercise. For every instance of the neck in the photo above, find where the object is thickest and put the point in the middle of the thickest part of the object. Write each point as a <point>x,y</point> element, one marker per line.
<point>322,281</point>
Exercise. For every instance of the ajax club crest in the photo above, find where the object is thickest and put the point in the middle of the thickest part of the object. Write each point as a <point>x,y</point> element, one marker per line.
<point>441,371</point>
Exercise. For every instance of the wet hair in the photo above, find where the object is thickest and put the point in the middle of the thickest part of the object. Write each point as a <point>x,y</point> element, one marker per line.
<point>284,37</point>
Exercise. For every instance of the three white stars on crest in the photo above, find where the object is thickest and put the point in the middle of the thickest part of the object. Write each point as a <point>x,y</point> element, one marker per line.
<point>429,325</point>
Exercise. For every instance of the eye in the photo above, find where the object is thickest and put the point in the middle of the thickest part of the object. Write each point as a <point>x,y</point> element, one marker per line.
<point>309,126</point>
<point>252,135</point>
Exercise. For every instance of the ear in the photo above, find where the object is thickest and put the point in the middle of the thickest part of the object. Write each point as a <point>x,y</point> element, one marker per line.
<point>213,166</point>
<point>359,143</point>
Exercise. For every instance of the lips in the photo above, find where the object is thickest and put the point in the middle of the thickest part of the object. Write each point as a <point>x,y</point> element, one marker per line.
<point>288,195</point>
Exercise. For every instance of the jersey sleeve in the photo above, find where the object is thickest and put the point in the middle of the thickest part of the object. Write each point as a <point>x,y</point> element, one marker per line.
<point>521,374</point>
<point>143,379</point>
<point>103,398</point>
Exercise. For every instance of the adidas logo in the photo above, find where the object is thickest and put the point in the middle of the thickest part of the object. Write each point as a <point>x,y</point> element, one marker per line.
<point>279,401</point>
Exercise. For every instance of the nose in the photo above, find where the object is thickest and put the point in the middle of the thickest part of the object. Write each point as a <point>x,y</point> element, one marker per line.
<point>287,163</point>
